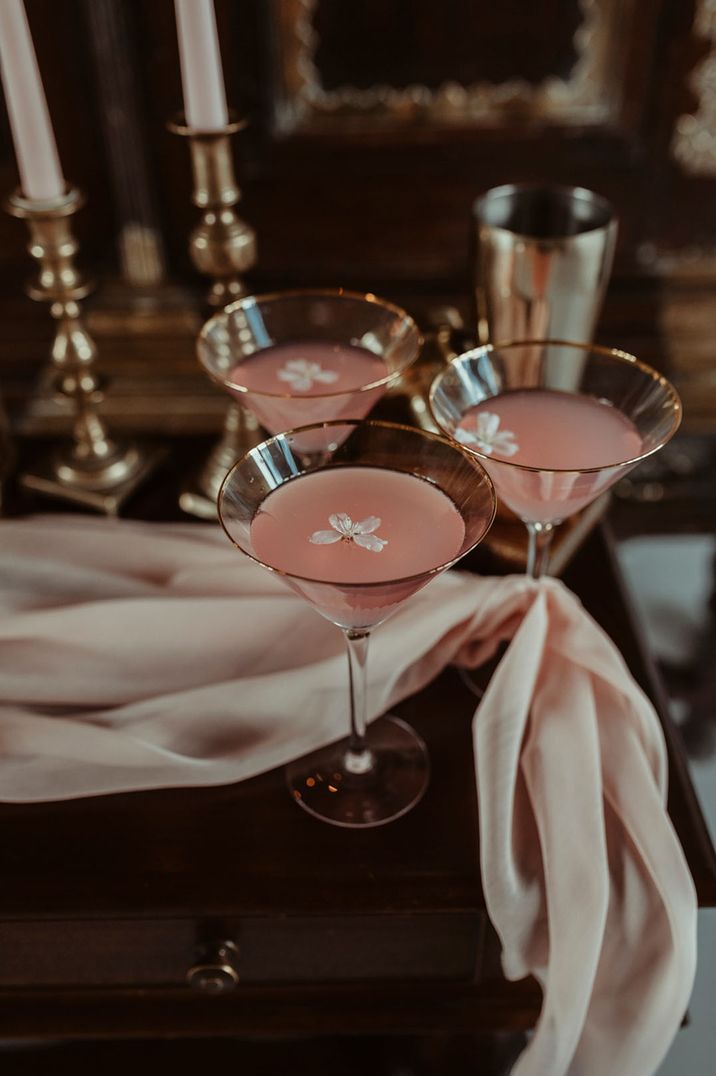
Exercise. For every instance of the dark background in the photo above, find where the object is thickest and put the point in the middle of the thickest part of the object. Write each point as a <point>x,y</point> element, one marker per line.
<point>374,124</point>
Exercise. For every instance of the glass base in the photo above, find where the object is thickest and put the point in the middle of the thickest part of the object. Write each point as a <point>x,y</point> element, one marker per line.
<point>471,679</point>
<point>322,784</point>
<point>476,680</point>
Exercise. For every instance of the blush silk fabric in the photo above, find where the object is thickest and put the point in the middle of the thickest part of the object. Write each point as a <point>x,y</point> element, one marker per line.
<point>137,656</point>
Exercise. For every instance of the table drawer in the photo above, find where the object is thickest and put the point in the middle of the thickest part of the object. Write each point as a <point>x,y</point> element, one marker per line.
<point>290,949</point>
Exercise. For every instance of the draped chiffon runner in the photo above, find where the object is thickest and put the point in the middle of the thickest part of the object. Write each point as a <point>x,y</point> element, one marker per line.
<point>136,656</point>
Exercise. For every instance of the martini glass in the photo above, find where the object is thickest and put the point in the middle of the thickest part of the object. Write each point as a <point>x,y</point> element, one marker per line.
<point>356,517</point>
<point>554,423</point>
<point>300,357</point>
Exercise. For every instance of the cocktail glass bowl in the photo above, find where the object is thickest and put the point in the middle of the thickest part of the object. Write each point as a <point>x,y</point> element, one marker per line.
<point>238,334</point>
<point>377,773</point>
<point>544,496</point>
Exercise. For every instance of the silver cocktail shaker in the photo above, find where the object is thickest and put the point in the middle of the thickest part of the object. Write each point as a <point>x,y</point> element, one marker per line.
<point>542,261</point>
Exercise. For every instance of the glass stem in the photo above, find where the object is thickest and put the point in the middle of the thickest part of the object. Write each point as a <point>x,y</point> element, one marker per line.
<point>358,757</point>
<point>538,548</point>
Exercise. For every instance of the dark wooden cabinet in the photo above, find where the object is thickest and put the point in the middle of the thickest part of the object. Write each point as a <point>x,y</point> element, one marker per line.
<point>375,124</point>
<point>372,128</point>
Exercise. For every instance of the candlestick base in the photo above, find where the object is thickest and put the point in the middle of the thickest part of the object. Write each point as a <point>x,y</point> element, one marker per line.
<point>241,433</point>
<point>93,469</point>
<point>104,492</point>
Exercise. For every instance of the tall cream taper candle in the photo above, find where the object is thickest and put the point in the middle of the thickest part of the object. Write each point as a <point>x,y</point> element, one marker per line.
<point>41,177</point>
<point>201,71</point>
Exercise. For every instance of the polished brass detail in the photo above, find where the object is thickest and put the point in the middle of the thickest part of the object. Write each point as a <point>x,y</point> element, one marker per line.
<point>241,432</point>
<point>217,970</point>
<point>223,247</point>
<point>93,469</point>
<point>694,141</point>
<point>440,345</point>
<point>587,95</point>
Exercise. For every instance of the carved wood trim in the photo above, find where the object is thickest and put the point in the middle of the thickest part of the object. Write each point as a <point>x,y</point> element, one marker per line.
<point>586,97</point>
<point>694,141</point>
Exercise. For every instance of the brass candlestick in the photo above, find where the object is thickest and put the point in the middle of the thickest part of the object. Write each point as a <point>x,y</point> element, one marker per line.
<point>223,247</point>
<point>92,469</point>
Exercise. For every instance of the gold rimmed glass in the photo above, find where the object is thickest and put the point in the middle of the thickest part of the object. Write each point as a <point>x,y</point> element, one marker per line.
<point>349,347</point>
<point>543,496</point>
<point>378,772</point>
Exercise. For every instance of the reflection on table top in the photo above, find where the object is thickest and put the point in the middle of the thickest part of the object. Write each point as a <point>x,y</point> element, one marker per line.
<point>672,579</point>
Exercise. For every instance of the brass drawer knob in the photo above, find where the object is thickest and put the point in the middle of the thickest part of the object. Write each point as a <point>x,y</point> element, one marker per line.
<point>217,971</point>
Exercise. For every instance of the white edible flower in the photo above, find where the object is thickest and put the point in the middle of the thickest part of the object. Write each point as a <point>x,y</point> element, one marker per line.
<point>302,374</point>
<point>345,530</point>
<point>483,431</point>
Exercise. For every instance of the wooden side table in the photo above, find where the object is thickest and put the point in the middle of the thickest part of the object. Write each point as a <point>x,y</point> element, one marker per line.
<point>227,911</point>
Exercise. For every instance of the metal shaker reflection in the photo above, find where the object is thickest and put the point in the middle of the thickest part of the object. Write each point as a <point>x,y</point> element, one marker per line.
<point>542,263</point>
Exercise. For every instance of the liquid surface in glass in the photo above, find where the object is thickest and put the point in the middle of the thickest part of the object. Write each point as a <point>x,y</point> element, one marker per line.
<point>551,430</point>
<point>299,375</point>
<point>357,525</point>
<point>309,368</point>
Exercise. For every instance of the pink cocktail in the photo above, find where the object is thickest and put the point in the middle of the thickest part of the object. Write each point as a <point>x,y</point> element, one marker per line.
<point>357,517</point>
<point>540,429</point>
<point>311,381</point>
<point>555,424</point>
<point>357,541</point>
<point>297,358</point>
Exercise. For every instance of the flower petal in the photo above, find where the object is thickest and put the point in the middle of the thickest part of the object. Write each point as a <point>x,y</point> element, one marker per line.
<point>465,437</point>
<point>342,523</point>
<point>325,537</point>
<point>367,526</point>
<point>302,373</point>
<point>505,443</point>
<point>370,541</point>
<point>487,425</point>
<point>295,379</point>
